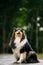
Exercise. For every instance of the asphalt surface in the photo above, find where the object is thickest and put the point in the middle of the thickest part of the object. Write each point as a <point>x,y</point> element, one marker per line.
<point>8,59</point>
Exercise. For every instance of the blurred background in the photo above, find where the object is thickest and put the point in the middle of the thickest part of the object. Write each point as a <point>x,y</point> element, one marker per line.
<point>27,14</point>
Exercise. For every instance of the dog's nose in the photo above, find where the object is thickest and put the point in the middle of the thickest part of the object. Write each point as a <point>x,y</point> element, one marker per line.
<point>18,33</point>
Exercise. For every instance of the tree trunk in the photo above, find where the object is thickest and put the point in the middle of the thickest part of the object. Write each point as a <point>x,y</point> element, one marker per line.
<point>4,33</point>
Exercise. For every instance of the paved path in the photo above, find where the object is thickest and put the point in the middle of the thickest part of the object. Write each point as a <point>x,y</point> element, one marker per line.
<point>8,60</point>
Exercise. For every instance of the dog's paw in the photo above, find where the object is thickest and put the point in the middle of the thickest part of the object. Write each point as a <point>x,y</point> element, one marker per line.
<point>18,62</point>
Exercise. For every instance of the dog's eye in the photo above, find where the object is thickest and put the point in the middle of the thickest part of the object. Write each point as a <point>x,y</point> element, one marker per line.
<point>21,30</point>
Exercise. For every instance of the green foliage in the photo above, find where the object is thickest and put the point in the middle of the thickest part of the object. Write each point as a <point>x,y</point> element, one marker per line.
<point>21,17</point>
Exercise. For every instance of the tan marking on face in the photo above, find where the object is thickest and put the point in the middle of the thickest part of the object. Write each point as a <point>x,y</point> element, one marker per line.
<point>18,35</point>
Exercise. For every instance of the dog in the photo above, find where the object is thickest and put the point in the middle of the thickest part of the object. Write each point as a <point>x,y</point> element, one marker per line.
<point>22,50</point>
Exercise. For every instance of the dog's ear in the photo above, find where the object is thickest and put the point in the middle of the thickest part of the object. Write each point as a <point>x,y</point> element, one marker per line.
<point>23,35</point>
<point>22,29</point>
<point>14,28</point>
<point>12,37</point>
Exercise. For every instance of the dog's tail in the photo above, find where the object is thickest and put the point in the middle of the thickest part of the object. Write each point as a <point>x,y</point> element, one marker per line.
<point>32,57</point>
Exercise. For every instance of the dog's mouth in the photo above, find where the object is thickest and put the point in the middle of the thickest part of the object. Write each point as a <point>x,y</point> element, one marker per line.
<point>18,35</point>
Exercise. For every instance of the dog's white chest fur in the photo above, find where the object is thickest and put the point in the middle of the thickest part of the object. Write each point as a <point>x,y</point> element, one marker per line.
<point>19,45</point>
<point>16,52</point>
<point>17,40</point>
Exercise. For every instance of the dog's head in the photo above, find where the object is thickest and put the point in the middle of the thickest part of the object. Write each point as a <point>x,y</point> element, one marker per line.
<point>19,33</point>
<point>17,36</point>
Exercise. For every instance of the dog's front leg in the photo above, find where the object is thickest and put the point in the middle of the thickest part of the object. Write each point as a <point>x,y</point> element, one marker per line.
<point>15,59</point>
<point>22,57</point>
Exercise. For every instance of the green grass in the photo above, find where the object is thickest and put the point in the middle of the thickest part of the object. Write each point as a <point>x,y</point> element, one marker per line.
<point>40,55</point>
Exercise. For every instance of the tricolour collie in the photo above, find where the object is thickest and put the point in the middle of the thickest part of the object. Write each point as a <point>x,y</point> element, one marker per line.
<point>23,52</point>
